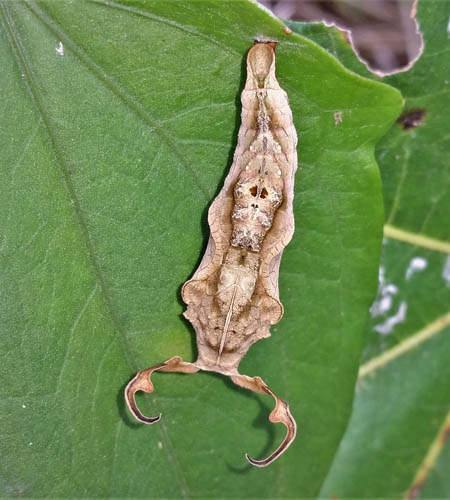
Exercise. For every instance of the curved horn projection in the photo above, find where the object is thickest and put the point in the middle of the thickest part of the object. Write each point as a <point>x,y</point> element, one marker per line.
<point>142,382</point>
<point>280,414</point>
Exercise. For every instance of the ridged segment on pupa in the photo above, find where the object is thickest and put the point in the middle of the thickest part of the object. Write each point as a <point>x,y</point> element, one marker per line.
<point>232,297</point>
<point>266,152</point>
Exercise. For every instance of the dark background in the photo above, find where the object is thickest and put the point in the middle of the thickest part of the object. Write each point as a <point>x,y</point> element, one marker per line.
<point>383,31</point>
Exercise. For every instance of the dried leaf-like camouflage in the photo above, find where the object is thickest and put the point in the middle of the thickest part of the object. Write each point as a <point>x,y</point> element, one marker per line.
<point>232,299</point>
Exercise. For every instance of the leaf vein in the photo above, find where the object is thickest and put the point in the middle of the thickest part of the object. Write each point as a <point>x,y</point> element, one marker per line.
<point>429,331</point>
<point>122,94</point>
<point>168,22</point>
<point>19,54</point>
<point>430,459</point>
<point>416,239</point>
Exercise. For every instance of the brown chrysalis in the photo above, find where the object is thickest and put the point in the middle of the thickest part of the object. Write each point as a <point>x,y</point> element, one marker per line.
<point>232,298</point>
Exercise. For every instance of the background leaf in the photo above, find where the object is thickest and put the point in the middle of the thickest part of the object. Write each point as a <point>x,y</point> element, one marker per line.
<point>119,124</point>
<point>400,419</point>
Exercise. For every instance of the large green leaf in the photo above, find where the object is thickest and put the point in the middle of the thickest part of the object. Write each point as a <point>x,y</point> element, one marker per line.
<point>400,420</point>
<point>119,123</point>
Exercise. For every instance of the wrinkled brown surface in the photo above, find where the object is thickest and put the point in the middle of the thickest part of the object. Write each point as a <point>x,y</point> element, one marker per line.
<point>233,298</point>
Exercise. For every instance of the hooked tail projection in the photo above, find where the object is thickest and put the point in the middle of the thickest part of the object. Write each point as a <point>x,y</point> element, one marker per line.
<point>232,299</point>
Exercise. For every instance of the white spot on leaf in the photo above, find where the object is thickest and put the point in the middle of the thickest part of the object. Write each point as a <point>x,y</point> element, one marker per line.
<point>338,117</point>
<point>399,317</point>
<point>384,303</point>
<point>386,291</point>
<point>417,264</point>
<point>60,49</point>
<point>446,271</point>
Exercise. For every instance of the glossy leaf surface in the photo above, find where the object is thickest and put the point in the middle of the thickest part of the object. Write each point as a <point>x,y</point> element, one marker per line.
<point>119,124</point>
<point>396,443</point>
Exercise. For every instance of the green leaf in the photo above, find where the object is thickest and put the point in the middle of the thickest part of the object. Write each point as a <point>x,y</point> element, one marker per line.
<point>437,484</point>
<point>400,419</point>
<point>119,124</point>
